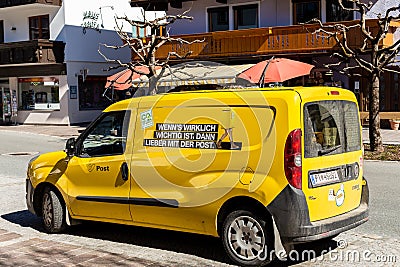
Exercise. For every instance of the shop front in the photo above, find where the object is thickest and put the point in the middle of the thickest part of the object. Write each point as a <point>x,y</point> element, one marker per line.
<point>39,93</point>
<point>42,100</point>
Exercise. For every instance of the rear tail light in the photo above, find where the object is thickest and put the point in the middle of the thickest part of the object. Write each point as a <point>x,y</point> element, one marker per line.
<point>293,158</point>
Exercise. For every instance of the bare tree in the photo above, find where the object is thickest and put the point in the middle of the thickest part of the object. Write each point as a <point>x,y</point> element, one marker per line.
<point>371,56</point>
<point>144,48</point>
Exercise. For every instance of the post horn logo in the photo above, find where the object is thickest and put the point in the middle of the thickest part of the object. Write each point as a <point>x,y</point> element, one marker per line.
<point>90,167</point>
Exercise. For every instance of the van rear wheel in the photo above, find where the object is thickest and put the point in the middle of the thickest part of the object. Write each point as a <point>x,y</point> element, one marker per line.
<point>53,212</point>
<point>245,238</point>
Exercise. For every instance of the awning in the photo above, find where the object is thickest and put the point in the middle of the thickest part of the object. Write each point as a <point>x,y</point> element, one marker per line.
<point>197,74</point>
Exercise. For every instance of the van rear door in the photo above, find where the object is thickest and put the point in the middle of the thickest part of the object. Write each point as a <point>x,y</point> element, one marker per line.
<point>332,161</point>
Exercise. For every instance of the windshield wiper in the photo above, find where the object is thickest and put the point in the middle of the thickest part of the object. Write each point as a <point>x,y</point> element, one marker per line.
<point>328,150</point>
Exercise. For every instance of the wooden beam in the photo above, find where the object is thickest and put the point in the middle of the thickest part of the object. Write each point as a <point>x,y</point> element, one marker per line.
<point>387,115</point>
<point>23,70</point>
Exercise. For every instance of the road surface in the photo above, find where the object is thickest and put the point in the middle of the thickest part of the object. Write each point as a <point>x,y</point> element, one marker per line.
<point>23,241</point>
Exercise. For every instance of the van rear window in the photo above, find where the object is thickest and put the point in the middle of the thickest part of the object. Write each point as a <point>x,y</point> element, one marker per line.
<point>331,127</point>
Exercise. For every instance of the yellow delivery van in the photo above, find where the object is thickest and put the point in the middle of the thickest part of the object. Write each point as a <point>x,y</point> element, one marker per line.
<point>260,168</point>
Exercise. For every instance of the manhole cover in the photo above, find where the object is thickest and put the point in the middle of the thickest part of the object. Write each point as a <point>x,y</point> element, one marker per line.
<point>20,153</point>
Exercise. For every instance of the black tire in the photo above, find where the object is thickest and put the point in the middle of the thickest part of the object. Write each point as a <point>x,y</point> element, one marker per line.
<point>247,239</point>
<point>53,212</point>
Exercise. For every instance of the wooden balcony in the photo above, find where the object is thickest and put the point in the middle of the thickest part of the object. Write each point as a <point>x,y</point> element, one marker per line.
<point>10,3</point>
<point>34,51</point>
<point>244,44</point>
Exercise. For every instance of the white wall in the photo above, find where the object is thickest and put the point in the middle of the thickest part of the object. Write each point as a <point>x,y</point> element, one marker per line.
<point>73,70</point>
<point>83,45</point>
<point>74,10</point>
<point>80,50</point>
<point>18,17</point>
<point>271,13</point>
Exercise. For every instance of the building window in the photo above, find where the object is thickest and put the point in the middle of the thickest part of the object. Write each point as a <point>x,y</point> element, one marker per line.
<point>335,13</point>
<point>39,27</point>
<point>91,93</point>
<point>305,11</point>
<point>245,16</point>
<point>238,16</point>
<point>39,93</point>
<point>218,19</point>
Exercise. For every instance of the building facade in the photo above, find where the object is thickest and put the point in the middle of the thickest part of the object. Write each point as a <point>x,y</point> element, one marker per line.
<point>239,31</point>
<point>50,68</point>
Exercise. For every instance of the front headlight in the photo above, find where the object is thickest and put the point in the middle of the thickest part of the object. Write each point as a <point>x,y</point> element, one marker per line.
<point>29,169</point>
<point>33,159</point>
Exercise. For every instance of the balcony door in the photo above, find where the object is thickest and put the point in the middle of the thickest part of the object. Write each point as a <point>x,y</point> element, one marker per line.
<point>245,16</point>
<point>306,10</point>
<point>1,31</point>
<point>39,27</point>
<point>233,17</point>
<point>218,19</point>
<point>335,13</point>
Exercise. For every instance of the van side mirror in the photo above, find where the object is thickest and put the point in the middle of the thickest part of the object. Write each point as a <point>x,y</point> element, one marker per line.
<point>70,147</point>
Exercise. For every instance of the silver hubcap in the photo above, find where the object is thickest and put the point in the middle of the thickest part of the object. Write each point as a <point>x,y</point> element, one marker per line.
<point>246,238</point>
<point>47,210</point>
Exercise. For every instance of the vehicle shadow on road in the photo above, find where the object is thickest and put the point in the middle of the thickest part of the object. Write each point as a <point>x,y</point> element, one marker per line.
<point>25,219</point>
<point>192,244</point>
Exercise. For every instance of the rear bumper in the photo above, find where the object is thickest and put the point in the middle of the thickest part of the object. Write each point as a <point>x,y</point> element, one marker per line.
<point>294,224</point>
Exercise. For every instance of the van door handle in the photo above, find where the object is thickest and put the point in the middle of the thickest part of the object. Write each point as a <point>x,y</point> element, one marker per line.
<point>124,171</point>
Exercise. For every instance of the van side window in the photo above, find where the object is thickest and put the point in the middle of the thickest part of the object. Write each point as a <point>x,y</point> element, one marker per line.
<point>107,136</point>
<point>331,127</point>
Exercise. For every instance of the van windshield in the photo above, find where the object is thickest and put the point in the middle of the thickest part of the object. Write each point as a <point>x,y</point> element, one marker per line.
<point>331,127</point>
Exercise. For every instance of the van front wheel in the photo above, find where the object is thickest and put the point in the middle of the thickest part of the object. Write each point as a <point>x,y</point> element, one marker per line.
<point>245,238</point>
<point>53,212</point>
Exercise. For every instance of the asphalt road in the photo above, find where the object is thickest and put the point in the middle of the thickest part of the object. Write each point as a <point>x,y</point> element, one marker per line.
<point>23,241</point>
<point>384,183</point>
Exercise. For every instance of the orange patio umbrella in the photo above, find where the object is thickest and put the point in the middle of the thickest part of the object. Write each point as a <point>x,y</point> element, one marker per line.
<point>275,70</point>
<point>123,80</point>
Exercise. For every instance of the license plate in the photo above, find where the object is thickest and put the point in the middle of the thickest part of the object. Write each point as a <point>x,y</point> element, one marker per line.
<point>323,178</point>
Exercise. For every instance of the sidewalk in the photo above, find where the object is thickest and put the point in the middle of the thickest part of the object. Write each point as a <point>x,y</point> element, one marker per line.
<point>388,136</point>
<point>51,130</point>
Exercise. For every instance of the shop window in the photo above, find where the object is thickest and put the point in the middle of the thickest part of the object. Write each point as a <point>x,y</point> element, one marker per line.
<point>39,94</point>
<point>245,16</point>
<point>218,19</point>
<point>305,11</point>
<point>335,13</point>
<point>39,27</point>
<point>91,93</point>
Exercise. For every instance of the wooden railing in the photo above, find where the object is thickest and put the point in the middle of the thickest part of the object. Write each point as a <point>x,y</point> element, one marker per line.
<point>35,51</point>
<point>9,3</point>
<point>295,39</point>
